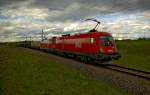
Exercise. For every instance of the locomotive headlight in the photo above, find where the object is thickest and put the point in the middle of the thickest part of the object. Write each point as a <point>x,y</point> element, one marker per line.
<point>101,50</point>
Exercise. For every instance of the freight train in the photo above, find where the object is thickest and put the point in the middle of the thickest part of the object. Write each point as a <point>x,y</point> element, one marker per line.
<point>93,46</point>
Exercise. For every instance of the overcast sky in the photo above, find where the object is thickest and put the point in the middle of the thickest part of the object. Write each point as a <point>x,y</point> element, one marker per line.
<point>122,18</point>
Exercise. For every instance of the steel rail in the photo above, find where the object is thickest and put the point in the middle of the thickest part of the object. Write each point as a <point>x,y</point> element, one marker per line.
<point>130,71</point>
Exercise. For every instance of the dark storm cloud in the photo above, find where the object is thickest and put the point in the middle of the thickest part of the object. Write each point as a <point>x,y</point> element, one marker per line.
<point>4,3</point>
<point>52,4</point>
<point>144,4</point>
<point>125,5</point>
<point>77,9</point>
<point>109,5</point>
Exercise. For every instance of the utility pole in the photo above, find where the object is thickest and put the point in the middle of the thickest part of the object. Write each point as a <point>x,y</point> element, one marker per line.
<point>26,38</point>
<point>30,38</point>
<point>42,35</point>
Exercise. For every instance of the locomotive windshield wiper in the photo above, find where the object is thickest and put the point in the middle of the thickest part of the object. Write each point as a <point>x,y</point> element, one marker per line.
<point>106,41</point>
<point>109,41</point>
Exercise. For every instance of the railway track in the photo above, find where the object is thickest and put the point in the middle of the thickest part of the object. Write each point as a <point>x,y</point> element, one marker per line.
<point>130,71</point>
<point>122,69</point>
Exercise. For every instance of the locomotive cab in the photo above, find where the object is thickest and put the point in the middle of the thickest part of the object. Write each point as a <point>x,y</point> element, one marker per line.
<point>107,47</point>
<point>106,44</point>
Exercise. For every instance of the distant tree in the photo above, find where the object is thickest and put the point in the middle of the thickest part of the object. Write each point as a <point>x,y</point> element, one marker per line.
<point>142,38</point>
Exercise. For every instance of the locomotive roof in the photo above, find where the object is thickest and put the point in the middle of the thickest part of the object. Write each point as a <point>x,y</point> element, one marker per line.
<point>83,35</point>
<point>88,34</point>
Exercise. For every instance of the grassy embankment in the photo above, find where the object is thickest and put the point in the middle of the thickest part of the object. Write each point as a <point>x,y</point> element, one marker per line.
<point>23,72</point>
<point>135,54</point>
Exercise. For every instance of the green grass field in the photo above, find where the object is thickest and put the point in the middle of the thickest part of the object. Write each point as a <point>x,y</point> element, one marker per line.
<point>135,54</point>
<point>23,72</point>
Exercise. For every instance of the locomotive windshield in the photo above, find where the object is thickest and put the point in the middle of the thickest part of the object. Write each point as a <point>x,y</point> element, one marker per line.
<point>106,40</point>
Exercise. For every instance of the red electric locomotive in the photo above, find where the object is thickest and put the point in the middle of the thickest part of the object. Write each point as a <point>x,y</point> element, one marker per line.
<point>94,45</point>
